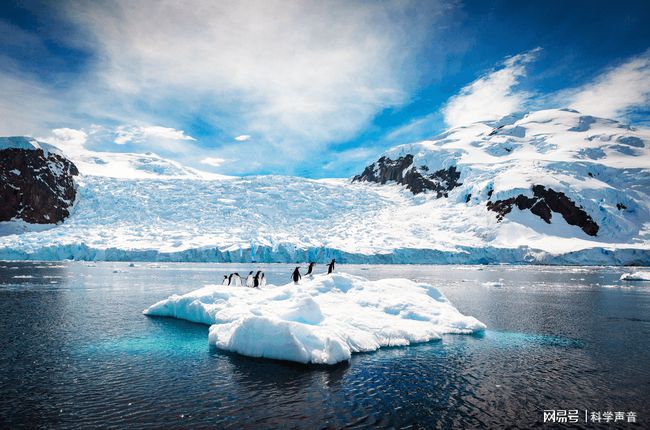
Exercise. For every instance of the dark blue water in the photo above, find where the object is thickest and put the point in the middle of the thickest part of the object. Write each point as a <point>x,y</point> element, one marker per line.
<point>77,353</point>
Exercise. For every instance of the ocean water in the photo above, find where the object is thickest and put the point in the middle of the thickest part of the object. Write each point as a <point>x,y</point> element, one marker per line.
<point>78,353</point>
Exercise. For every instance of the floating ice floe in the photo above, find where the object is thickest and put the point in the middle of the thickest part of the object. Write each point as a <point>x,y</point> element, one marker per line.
<point>636,276</point>
<point>323,320</point>
<point>493,284</point>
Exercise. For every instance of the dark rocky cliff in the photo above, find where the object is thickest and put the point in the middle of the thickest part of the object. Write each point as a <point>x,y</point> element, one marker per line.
<point>417,180</point>
<point>36,186</point>
<point>544,201</point>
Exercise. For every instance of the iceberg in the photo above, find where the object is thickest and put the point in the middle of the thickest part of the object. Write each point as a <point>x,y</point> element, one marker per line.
<point>322,320</point>
<point>636,276</point>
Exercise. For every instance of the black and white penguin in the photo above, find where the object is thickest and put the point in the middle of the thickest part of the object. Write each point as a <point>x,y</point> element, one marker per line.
<point>263,281</point>
<point>230,279</point>
<point>330,267</point>
<point>236,279</point>
<point>257,279</point>
<point>310,269</point>
<point>296,275</point>
<point>225,281</point>
<point>249,279</point>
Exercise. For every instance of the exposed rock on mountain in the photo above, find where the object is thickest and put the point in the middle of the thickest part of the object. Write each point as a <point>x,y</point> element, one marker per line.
<point>402,171</point>
<point>542,204</point>
<point>36,182</point>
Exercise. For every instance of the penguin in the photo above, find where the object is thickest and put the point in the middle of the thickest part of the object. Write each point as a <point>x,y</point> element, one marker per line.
<point>263,281</point>
<point>225,280</point>
<point>257,279</point>
<point>249,279</point>
<point>237,279</point>
<point>296,275</point>
<point>230,279</point>
<point>310,269</point>
<point>330,267</point>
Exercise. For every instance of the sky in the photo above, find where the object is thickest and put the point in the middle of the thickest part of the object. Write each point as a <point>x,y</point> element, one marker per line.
<point>307,88</point>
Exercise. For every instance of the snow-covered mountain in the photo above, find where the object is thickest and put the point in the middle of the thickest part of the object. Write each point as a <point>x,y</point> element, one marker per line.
<point>556,166</point>
<point>549,187</point>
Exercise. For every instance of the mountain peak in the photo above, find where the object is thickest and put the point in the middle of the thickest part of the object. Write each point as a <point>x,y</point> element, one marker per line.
<point>592,172</point>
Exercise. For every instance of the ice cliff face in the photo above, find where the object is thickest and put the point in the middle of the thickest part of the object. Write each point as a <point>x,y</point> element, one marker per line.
<point>560,165</point>
<point>36,182</point>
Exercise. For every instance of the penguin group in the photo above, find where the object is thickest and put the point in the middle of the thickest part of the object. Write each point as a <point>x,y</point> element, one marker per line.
<point>258,280</point>
<point>296,275</point>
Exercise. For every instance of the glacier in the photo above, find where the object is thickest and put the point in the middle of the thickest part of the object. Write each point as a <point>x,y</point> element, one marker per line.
<point>322,320</point>
<point>141,207</point>
<point>282,219</point>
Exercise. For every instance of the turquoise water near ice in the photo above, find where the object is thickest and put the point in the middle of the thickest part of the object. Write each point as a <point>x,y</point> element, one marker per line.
<point>78,353</point>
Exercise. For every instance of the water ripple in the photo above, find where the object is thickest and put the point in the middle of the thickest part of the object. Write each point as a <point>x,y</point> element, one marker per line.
<point>80,355</point>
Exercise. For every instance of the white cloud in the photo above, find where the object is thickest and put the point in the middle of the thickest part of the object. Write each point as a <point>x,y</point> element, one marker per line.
<point>163,140</point>
<point>213,161</point>
<point>243,138</point>
<point>492,96</point>
<point>123,136</point>
<point>299,75</point>
<point>615,92</point>
<point>165,133</point>
<point>135,134</point>
<point>69,140</point>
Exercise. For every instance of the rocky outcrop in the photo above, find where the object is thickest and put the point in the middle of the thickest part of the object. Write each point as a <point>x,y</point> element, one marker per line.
<point>543,203</point>
<point>36,186</point>
<point>417,180</point>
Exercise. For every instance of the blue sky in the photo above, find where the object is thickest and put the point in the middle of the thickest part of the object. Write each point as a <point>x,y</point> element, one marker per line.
<point>314,89</point>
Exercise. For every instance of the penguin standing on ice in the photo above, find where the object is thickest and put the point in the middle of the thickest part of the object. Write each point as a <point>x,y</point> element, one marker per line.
<point>330,267</point>
<point>234,280</point>
<point>263,281</point>
<point>310,269</point>
<point>237,279</point>
<point>249,279</point>
<point>225,280</point>
<point>257,279</point>
<point>296,275</point>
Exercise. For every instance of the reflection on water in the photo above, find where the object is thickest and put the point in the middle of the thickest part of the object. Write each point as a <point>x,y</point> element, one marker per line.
<point>78,353</point>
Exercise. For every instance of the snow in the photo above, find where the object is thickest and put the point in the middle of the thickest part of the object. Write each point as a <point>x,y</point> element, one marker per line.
<point>282,219</point>
<point>22,142</point>
<point>19,226</point>
<point>322,320</point>
<point>636,276</point>
<point>142,207</point>
<point>548,148</point>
